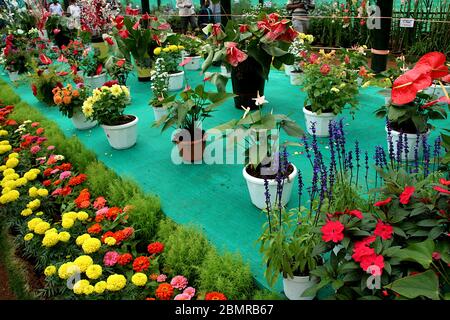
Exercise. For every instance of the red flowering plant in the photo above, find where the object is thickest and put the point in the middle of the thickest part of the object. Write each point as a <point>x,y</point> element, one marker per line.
<point>265,38</point>
<point>14,57</point>
<point>411,108</point>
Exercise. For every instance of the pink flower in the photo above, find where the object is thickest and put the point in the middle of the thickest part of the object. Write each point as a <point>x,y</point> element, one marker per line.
<point>35,149</point>
<point>54,171</point>
<point>56,31</point>
<point>189,291</point>
<point>35,124</point>
<point>64,175</point>
<point>179,282</point>
<point>325,69</point>
<point>99,203</point>
<point>234,55</point>
<point>161,278</point>
<point>57,192</point>
<point>111,258</point>
<point>436,255</point>
<point>102,211</point>
<point>182,296</point>
<point>50,148</point>
<point>185,61</point>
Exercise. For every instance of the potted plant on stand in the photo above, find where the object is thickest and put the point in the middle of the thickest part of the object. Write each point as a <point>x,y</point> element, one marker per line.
<point>187,116</point>
<point>249,50</point>
<point>329,88</point>
<point>159,86</point>
<point>261,147</point>
<point>107,106</point>
<point>171,56</point>
<point>92,68</point>
<point>411,107</point>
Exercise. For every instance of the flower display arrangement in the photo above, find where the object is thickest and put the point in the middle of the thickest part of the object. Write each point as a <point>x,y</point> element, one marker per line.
<point>86,238</point>
<point>250,49</point>
<point>69,98</point>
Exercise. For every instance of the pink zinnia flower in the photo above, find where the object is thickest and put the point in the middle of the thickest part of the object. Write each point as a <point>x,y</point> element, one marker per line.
<point>182,296</point>
<point>35,124</point>
<point>111,258</point>
<point>99,203</point>
<point>189,291</point>
<point>64,175</point>
<point>56,192</point>
<point>51,148</point>
<point>179,282</point>
<point>102,211</point>
<point>161,278</point>
<point>35,149</point>
<point>54,171</point>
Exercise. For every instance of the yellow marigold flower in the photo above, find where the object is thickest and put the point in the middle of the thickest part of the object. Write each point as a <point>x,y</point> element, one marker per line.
<point>157,51</point>
<point>173,48</point>
<point>139,279</point>
<point>100,287</point>
<point>50,270</point>
<point>51,230</point>
<point>8,171</point>
<point>32,192</point>
<point>10,196</point>
<point>30,176</point>
<point>3,133</point>
<point>71,215</point>
<point>13,155</point>
<point>3,168</point>
<point>88,290</point>
<point>64,236</point>
<point>82,216</point>
<point>81,239</point>
<point>28,237</point>
<point>68,269</point>
<point>35,171</point>
<point>33,205</point>
<point>166,50</point>
<point>4,142</point>
<point>41,227</point>
<point>94,271</point>
<point>116,282</point>
<point>180,47</point>
<point>26,212</point>
<point>10,184</point>
<point>67,223</point>
<point>110,241</point>
<point>42,192</point>
<point>91,245</point>
<point>83,262</point>
<point>6,190</point>
<point>12,162</point>
<point>50,239</point>
<point>33,223</point>
<point>5,148</point>
<point>79,287</point>
<point>21,182</point>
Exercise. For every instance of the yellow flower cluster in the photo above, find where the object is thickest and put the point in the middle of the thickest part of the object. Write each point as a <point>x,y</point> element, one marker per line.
<point>9,196</point>
<point>98,94</point>
<point>81,239</point>
<point>50,239</point>
<point>308,37</point>
<point>33,205</point>
<point>3,133</point>
<point>94,271</point>
<point>100,287</point>
<point>5,146</point>
<point>83,262</point>
<point>41,227</point>
<point>83,287</point>
<point>34,192</point>
<point>172,48</point>
<point>49,271</point>
<point>31,174</point>
<point>116,282</point>
<point>28,237</point>
<point>67,269</point>
<point>69,218</point>
<point>139,279</point>
<point>91,245</point>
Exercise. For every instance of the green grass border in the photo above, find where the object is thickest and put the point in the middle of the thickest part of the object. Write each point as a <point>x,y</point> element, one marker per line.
<point>225,271</point>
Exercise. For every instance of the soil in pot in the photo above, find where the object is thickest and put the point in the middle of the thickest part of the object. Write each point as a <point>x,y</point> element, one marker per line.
<point>405,127</point>
<point>308,107</point>
<point>256,172</point>
<point>122,120</point>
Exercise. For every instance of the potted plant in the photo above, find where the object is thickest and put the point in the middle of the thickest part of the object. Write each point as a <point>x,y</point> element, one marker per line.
<point>288,244</point>
<point>249,50</point>
<point>92,68</point>
<point>329,87</point>
<point>45,78</point>
<point>138,36</point>
<point>193,48</point>
<point>187,116</point>
<point>411,107</point>
<point>159,86</point>
<point>299,48</point>
<point>14,57</point>
<point>261,144</point>
<point>107,106</point>
<point>69,100</point>
<point>171,56</point>
<point>118,69</point>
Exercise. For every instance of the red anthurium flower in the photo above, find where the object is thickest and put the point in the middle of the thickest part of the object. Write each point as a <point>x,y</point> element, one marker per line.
<point>156,39</point>
<point>34,89</point>
<point>124,34</point>
<point>136,25</point>
<point>56,31</point>
<point>109,40</point>
<point>44,59</point>
<point>273,17</point>
<point>436,62</point>
<point>185,61</point>
<point>383,230</point>
<point>432,103</point>
<point>216,29</point>
<point>405,87</point>
<point>383,202</point>
<point>61,58</point>
<point>243,28</point>
<point>325,69</point>
<point>289,35</point>
<point>145,16</point>
<point>99,69</point>
<point>234,55</point>
<point>120,63</point>
<point>406,194</point>
<point>442,190</point>
<point>444,182</point>
<point>74,69</point>
<point>62,73</point>
<point>119,22</point>
<point>164,26</point>
<point>332,231</point>
<point>446,78</point>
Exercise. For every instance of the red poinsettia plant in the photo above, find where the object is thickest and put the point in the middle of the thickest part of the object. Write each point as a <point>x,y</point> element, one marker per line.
<point>411,108</point>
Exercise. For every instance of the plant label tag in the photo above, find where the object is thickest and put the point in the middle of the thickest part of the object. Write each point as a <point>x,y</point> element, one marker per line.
<point>406,23</point>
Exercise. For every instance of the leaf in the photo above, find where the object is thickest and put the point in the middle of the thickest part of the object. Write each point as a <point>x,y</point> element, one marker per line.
<point>417,252</point>
<point>429,223</point>
<point>337,284</point>
<point>292,128</point>
<point>436,232</point>
<point>424,284</point>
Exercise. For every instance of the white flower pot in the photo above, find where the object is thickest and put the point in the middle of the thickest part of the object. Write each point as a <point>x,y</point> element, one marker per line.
<point>225,72</point>
<point>95,81</point>
<point>176,81</point>
<point>296,78</point>
<point>122,136</point>
<point>13,76</point>
<point>412,140</point>
<point>257,190</point>
<point>159,113</point>
<point>194,64</point>
<point>288,68</point>
<point>322,122</point>
<point>80,122</point>
<point>294,287</point>
<point>436,89</point>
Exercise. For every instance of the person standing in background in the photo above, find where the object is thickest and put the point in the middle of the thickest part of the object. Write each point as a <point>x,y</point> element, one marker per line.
<point>216,10</point>
<point>299,10</point>
<point>55,8</point>
<point>205,16</point>
<point>186,12</point>
<point>74,12</point>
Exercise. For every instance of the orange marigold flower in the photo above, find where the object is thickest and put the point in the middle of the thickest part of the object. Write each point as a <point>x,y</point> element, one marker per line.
<point>214,295</point>
<point>164,291</point>
<point>95,229</point>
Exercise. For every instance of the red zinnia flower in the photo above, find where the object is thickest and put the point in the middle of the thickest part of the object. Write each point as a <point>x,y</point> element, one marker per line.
<point>141,264</point>
<point>164,291</point>
<point>113,213</point>
<point>356,213</point>
<point>406,194</point>
<point>374,262</point>
<point>444,182</point>
<point>155,248</point>
<point>95,229</point>
<point>46,183</point>
<point>332,231</point>
<point>79,179</point>
<point>66,191</point>
<point>383,230</point>
<point>99,203</point>
<point>83,200</point>
<point>382,202</point>
<point>124,259</point>
<point>441,190</point>
<point>214,295</point>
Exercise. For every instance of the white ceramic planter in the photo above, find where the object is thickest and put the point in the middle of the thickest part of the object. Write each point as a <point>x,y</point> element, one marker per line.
<point>412,141</point>
<point>95,81</point>
<point>294,287</point>
<point>122,136</point>
<point>80,122</point>
<point>322,122</point>
<point>257,190</point>
<point>194,64</point>
<point>436,89</point>
<point>13,76</point>
<point>159,113</point>
<point>296,78</point>
<point>288,68</point>
<point>225,72</point>
<point>176,81</point>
